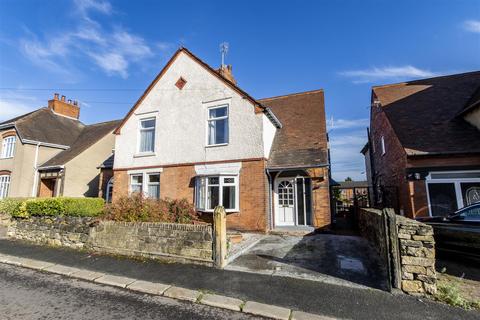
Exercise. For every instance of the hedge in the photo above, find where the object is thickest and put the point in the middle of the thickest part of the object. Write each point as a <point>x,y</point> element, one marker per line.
<point>26,207</point>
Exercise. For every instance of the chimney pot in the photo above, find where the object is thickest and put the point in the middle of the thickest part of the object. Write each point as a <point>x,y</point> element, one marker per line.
<point>70,101</point>
<point>63,98</point>
<point>75,103</point>
<point>55,96</point>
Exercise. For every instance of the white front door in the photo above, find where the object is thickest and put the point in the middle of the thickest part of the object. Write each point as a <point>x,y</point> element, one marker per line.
<point>285,202</point>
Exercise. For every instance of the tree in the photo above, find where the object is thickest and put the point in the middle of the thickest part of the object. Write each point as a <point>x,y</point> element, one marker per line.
<point>348,179</point>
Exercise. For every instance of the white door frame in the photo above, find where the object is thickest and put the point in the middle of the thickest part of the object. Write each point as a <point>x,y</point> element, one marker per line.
<point>276,201</point>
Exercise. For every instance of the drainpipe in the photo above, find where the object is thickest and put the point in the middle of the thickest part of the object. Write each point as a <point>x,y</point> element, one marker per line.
<point>35,171</point>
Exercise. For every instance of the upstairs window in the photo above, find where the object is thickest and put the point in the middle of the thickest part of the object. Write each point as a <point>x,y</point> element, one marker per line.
<point>147,136</point>
<point>218,125</point>
<point>212,191</point>
<point>8,147</point>
<point>4,186</point>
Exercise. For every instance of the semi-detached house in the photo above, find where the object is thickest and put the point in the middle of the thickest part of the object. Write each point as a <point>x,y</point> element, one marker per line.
<point>195,134</point>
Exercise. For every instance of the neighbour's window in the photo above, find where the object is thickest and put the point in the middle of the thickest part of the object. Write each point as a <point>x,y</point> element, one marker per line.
<point>218,125</point>
<point>8,147</point>
<point>147,135</point>
<point>4,186</point>
<point>153,185</point>
<point>136,183</point>
<point>212,191</point>
<point>383,145</point>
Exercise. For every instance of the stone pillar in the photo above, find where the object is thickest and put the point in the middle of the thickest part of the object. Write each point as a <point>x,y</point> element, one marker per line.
<point>220,236</point>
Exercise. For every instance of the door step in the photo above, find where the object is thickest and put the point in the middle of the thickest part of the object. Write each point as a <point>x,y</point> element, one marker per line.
<point>293,231</point>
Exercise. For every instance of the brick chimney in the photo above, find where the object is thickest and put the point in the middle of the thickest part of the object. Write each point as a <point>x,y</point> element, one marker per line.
<point>226,72</point>
<point>65,108</point>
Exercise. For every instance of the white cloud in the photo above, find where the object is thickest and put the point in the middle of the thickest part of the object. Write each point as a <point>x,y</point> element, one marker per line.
<point>114,52</point>
<point>392,72</point>
<point>10,109</point>
<point>347,161</point>
<point>333,124</point>
<point>472,26</point>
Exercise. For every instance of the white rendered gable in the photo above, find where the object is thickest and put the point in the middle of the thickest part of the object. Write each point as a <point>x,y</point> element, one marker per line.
<point>181,121</point>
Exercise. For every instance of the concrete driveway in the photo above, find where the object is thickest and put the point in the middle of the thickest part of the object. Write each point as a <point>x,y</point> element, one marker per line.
<point>345,260</point>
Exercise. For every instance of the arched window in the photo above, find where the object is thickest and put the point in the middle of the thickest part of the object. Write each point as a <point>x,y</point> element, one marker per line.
<point>4,185</point>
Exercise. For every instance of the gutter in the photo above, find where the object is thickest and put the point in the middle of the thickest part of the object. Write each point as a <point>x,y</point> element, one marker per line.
<point>298,168</point>
<point>46,144</point>
<point>51,167</point>
<point>7,125</point>
<point>273,118</point>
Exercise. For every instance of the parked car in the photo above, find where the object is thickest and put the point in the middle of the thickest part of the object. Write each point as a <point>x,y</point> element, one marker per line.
<point>458,232</point>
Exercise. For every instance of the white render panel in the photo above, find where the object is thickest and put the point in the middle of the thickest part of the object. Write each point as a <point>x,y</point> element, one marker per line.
<point>269,131</point>
<point>218,168</point>
<point>181,121</point>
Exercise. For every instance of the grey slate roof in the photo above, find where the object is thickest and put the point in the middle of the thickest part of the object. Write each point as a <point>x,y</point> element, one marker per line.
<point>45,126</point>
<point>108,163</point>
<point>89,136</point>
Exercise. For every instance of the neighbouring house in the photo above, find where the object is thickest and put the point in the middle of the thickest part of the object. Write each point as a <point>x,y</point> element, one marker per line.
<point>49,152</point>
<point>424,141</point>
<point>195,134</point>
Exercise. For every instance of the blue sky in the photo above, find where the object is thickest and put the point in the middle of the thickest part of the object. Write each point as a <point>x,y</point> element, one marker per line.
<point>105,53</point>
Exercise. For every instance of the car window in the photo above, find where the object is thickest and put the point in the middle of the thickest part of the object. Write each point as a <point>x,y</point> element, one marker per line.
<point>472,213</point>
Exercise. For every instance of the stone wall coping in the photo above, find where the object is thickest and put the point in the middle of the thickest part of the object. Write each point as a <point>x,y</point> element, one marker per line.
<point>162,225</point>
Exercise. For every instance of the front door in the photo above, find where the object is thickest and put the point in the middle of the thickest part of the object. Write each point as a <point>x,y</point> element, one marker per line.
<point>285,190</point>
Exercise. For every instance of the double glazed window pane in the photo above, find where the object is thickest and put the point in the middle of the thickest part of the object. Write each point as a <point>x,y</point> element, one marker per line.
<point>4,186</point>
<point>213,197</point>
<point>147,135</point>
<point>443,199</point>
<point>470,192</point>
<point>8,146</point>
<point>215,191</point>
<point>218,125</point>
<point>229,197</point>
<point>154,186</point>
<point>136,184</point>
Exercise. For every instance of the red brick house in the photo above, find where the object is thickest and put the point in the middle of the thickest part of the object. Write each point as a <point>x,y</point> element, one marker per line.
<point>424,141</point>
<point>195,134</point>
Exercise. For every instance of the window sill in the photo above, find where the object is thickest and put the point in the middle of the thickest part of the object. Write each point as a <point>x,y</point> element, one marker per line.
<point>144,154</point>
<point>211,211</point>
<point>2,158</point>
<point>216,145</point>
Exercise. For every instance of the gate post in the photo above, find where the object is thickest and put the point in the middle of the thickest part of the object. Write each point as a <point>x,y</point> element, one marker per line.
<point>220,236</point>
<point>393,249</point>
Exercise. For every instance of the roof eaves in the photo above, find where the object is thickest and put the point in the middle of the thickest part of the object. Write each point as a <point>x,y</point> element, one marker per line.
<point>272,117</point>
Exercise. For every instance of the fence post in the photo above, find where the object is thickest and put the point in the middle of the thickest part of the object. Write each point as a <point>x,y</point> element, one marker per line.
<point>220,236</point>
<point>393,248</point>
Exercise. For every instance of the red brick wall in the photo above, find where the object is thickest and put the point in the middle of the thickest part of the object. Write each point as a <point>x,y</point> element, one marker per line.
<point>321,216</point>
<point>178,182</point>
<point>105,175</point>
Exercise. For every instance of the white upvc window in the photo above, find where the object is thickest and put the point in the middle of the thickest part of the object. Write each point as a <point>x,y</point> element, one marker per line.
<point>4,186</point>
<point>8,147</point>
<point>217,190</point>
<point>147,136</point>
<point>146,183</point>
<point>382,141</point>
<point>136,183</point>
<point>153,185</point>
<point>450,191</point>
<point>217,125</point>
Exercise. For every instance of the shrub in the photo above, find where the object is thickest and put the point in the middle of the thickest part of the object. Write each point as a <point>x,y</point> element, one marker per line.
<point>138,208</point>
<point>16,207</point>
<point>25,207</point>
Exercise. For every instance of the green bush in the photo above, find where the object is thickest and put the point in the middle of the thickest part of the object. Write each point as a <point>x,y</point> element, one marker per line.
<point>24,207</point>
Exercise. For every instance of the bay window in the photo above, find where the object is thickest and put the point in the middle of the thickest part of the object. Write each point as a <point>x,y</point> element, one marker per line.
<point>218,125</point>
<point>147,136</point>
<point>8,147</point>
<point>212,191</point>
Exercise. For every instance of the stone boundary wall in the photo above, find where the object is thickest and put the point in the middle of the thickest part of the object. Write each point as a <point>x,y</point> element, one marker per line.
<point>163,241</point>
<point>406,246</point>
<point>417,256</point>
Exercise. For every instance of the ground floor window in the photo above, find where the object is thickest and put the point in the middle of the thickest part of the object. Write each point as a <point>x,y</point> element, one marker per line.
<point>211,191</point>
<point>450,191</point>
<point>4,186</point>
<point>147,184</point>
<point>109,191</point>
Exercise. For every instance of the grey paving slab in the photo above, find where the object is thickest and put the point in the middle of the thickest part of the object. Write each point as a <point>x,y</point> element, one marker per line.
<point>116,281</point>
<point>266,310</point>
<point>63,270</point>
<point>87,275</point>
<point>182,294</point>
<point>15,260</point>
<point>299,315</point>
<point>36,264</point>
<point>219,301</point>
<point>148,287</point>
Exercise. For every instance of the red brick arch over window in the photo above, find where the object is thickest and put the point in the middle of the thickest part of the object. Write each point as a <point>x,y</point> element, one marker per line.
<point>5,172</point>
<point>9,134</point>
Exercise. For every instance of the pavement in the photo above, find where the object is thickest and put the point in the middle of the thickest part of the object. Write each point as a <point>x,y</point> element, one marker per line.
<point>330,300</point>
<point>343,260</point>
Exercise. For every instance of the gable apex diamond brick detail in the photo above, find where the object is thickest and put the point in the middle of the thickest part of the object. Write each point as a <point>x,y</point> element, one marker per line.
<point>180,83</point>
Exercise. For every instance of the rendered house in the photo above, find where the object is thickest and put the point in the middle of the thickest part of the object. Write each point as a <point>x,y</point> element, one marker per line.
<point>195,134</point>
<point>425,141</point>
<point>49,152</point>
